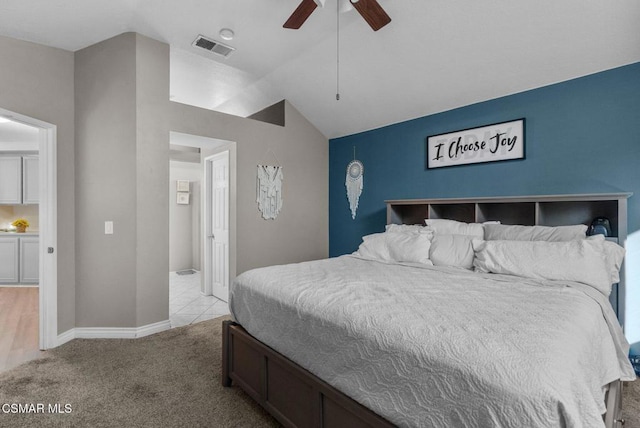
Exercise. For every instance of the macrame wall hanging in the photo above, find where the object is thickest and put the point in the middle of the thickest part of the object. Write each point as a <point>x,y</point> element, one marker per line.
<point>354,183</point>
<point>269,189</point>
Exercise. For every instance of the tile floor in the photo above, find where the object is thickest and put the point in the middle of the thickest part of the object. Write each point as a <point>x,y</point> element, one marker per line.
<point>187,305</point>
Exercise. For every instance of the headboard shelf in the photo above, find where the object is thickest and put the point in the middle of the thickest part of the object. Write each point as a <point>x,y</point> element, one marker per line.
<point>543,210</point>
<point>507,212</point>
<point>465,211</point>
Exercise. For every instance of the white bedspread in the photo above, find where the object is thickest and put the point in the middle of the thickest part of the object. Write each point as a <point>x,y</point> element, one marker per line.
<point>439,347</point>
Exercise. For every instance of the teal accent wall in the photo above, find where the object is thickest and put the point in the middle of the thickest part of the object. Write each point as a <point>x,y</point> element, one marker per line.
<point>581,136</point>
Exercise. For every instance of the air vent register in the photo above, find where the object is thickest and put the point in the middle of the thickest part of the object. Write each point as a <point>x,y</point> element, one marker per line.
<point>212,46</point>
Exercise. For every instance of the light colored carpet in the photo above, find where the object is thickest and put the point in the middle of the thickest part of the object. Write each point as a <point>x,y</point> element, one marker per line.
<point>631,404</point>
<point>170,379</point>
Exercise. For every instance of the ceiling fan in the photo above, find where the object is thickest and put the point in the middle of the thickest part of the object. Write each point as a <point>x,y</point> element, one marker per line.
<point>370,10</point>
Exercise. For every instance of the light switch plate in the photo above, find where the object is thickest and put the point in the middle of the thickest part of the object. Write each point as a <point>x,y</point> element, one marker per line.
<point>108,228</point>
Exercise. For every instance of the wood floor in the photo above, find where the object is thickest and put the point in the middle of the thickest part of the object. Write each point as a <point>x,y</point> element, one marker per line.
<point>18,326</point>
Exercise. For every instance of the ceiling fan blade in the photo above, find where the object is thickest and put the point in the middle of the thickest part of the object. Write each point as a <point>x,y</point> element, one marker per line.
<point>372,12</point>
<point>301,14</point>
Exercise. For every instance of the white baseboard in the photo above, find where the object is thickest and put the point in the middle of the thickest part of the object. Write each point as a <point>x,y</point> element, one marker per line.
<point>154,328</point>
<point>66,337</point>
<point>113,332</point>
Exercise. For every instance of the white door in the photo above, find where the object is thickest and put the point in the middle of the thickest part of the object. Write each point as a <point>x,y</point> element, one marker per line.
<point>217,225</point>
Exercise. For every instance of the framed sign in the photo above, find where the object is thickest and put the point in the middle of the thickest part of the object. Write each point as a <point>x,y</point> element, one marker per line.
<point>490,143</point>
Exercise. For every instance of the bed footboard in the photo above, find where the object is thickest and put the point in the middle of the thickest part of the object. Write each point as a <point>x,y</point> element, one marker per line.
<point>294,396</point>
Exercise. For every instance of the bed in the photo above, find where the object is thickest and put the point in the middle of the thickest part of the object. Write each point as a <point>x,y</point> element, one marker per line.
<point>360,340</point>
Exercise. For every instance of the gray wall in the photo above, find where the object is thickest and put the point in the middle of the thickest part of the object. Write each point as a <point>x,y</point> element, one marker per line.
<point>273,114</point>
<point>115,166</point>
<point>152,239</point>
<point>300,232</point>
<point>184,220</point>
<point>123,119</point>
<point>105,78</point>
<point>37,81</point>
<point>122,173</point>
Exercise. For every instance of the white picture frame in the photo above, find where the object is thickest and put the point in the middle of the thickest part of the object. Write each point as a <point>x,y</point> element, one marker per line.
<point>182,198</point>
<point>182,185</point>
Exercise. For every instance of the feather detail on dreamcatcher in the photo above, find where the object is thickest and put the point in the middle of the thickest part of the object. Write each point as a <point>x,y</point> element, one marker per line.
<point>354,183</point>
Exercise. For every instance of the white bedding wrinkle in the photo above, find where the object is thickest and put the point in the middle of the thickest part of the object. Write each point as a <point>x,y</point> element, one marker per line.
<point>426,346</point>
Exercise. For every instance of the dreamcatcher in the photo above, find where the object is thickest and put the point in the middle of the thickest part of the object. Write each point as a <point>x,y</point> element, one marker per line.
<point>354,183</point>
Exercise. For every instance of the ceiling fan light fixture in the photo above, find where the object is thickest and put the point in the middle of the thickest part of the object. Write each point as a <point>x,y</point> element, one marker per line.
<point>345,6</point>
<point>227,34</point>
<point>370,10</point>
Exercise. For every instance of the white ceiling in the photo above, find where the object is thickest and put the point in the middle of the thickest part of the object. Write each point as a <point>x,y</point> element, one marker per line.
<point>435,55</point>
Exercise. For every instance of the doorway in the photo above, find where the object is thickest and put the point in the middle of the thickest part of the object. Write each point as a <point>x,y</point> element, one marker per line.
<point>45,251</point>
<point>191,297</point>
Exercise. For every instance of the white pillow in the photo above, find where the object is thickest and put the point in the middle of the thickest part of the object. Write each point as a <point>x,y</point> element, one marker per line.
<point>614,254</point>
<point>452,250</point>
<point>408,228</point>
<point>502,232</point>
<point>453,227</point>
<point>374,246</point>
<point>579,261</point>
<point>396,247</point>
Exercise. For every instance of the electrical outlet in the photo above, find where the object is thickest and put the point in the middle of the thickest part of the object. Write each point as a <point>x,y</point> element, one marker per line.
<point>108,228</point>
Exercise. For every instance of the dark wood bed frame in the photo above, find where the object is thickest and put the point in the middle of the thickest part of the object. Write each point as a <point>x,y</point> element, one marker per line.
<point>297,398</point>
<point>291,394</point>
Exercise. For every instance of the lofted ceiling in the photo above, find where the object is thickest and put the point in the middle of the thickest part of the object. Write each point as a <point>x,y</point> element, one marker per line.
<point>435,55</point>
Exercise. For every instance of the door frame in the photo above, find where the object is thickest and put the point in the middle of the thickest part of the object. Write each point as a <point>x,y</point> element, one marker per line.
<point>207,213</point>
<point>48,214</point>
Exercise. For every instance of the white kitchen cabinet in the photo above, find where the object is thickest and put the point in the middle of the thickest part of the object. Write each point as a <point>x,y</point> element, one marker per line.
<point>19,179</point>
<point>9,256</point>
<point>30,179</point>
<point>10,179</point>
<point>29,260</point>
<point>19,259</point>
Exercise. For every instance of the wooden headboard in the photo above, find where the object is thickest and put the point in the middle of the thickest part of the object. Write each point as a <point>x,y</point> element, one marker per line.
<point>544,210</point>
